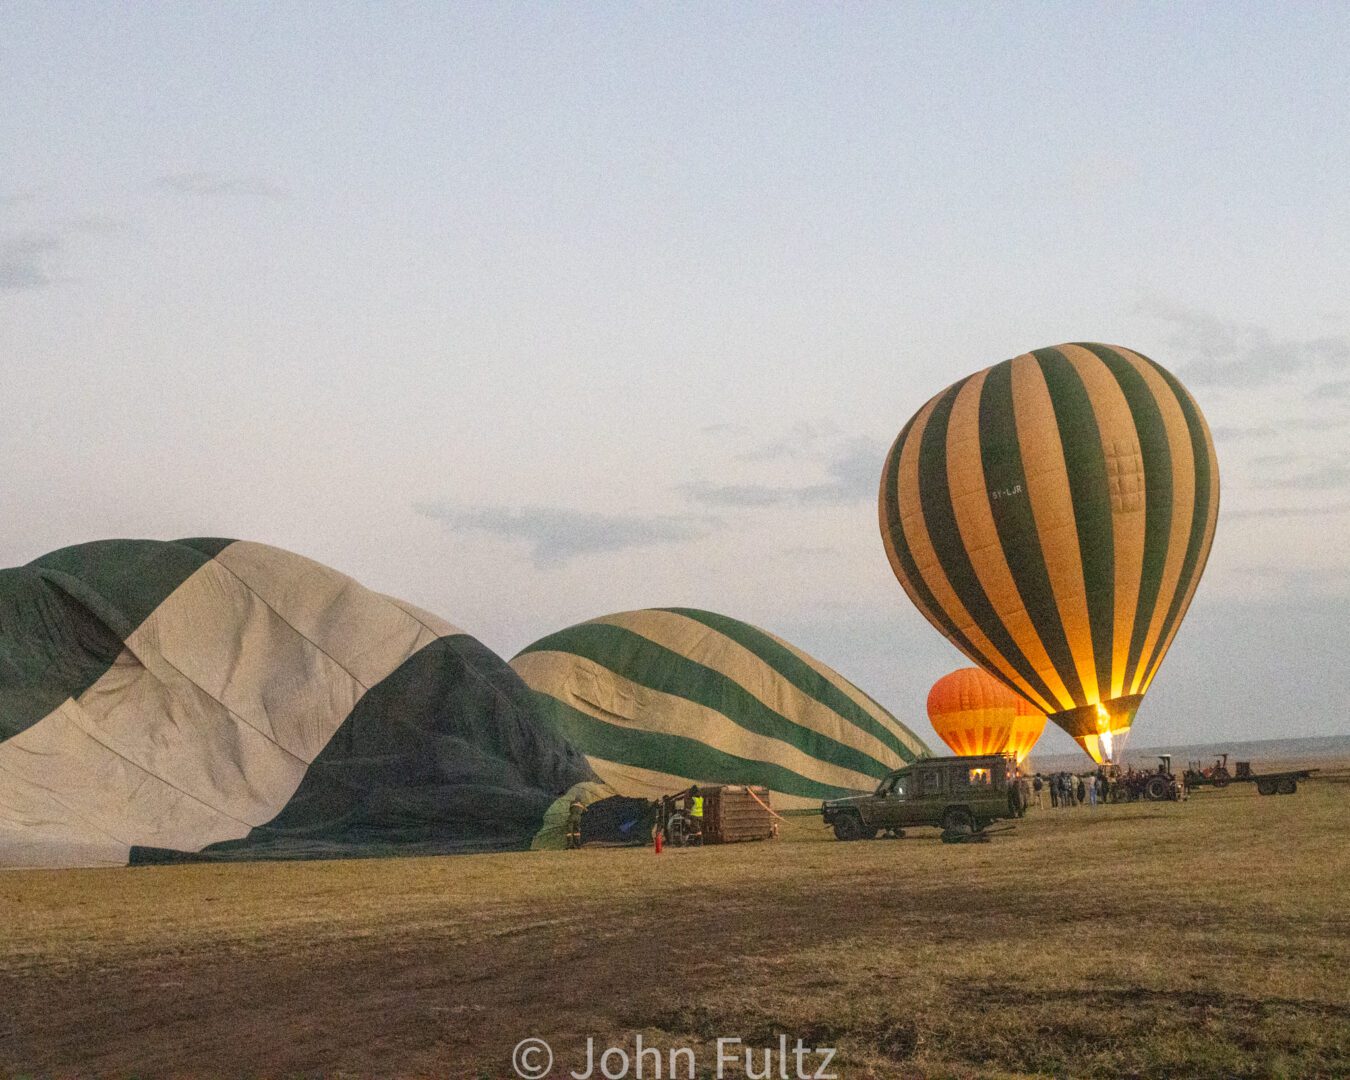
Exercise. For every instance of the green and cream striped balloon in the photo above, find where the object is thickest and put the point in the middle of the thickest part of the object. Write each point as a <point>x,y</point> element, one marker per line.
<point>665,697</point>
<point>1051,516</point>
<point>214,698</point>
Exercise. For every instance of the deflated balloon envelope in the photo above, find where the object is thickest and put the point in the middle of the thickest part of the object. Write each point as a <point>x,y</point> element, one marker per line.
<point>1051,515</point>
<point>218,699</point>
<point>665,697</point>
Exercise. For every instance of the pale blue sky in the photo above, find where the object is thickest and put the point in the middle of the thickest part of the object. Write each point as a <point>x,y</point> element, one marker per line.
<point>532,313</point>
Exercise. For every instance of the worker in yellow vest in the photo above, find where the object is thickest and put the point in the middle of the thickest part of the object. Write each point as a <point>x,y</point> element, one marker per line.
<point>695,815</point>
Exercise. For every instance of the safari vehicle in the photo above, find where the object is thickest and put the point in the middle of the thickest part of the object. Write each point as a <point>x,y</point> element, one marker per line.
<point>954,794</point>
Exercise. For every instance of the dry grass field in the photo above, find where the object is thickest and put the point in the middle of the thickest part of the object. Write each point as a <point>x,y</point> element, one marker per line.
<point>1204,939</point>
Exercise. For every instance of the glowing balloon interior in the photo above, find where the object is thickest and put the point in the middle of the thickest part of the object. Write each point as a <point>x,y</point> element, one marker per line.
<point>1051,515</point>
<point>974,713</point>
<point>1028,724</point>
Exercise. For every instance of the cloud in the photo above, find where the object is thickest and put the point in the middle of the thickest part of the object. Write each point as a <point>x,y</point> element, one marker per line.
<point>811,551</point>
<point>1336,390</point>
<point>1283,457</point>
<point>853,474</point>
<point>208,184</point>
<point>1289,469</point>
<point>798,443</point>
<point>742,496</point>
<point>1224,352</point>
<point>19,198</point>
<point>1328,475</point>
<point>26,258</point>
<point>1235,433</point>
<point>97,225</point>
<point>557,535</point>
<point>1287,511</point>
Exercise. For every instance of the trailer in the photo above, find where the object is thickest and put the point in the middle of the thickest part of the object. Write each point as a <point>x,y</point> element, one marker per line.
<point>1219,776</point>
<point>732,813</point>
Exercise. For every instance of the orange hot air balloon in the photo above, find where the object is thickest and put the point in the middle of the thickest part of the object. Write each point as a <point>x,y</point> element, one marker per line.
<point>1028,723</point>
<point>973,712</point>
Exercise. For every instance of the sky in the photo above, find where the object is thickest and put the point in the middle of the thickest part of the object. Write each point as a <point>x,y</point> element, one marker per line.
<point>531,313</point>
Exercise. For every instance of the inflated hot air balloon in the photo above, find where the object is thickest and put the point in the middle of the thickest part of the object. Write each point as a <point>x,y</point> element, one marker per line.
<point>1028,723</point>
<point>1051,516</point>
<point>972,712</point>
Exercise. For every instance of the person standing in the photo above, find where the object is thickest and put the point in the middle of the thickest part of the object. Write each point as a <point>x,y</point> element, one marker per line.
<point>1080,789</point>
<point>1092,792</point>
<point>1036,785</point>
<point>574,812</point>
<point>1054,791</point>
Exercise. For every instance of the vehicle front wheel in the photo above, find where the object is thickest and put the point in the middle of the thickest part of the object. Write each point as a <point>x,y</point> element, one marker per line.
<point>849,827</point>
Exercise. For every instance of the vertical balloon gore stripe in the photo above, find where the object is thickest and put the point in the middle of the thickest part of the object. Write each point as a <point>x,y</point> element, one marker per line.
<point>1182,507</point>
<point>1006,487</point>
<point>1158,490</point>
<point>971,502</point>
<point>1125,480</point>
<point>897,547</point>
<point>1202,524</point>
<point>939,519</point>
<point>1051,503</point>
<point>897,542</point>
<point>1090,489</point>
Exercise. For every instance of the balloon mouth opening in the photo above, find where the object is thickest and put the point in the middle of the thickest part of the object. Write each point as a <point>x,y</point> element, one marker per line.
<point>1101,728</point>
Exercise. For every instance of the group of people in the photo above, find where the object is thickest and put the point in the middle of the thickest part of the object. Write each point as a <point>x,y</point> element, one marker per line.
<point>1068,789</point>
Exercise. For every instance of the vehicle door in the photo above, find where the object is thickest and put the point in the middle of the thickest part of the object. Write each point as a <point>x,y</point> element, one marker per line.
<point>888,807</point>
<point>927,798</point>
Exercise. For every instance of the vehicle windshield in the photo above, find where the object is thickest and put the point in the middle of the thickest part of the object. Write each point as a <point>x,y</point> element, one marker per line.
<point>893,785</point>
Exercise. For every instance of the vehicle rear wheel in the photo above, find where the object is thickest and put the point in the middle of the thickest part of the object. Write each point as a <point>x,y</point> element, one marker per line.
<point>957,818</point>
<point>1265,787</point>
<point>1287,786</point>
<point>1157,788</point>
<point>1220,778</point>
<point>848,827</point>
<point>957,826</point>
